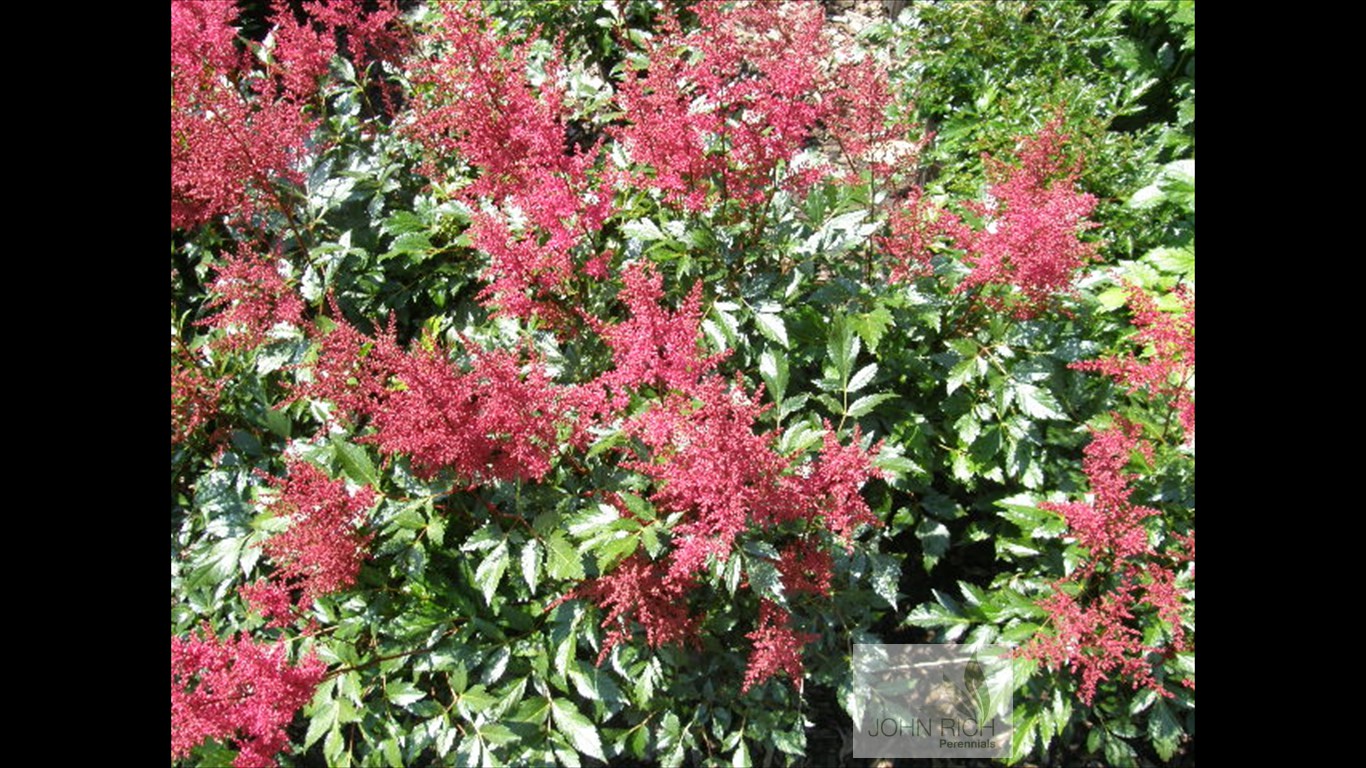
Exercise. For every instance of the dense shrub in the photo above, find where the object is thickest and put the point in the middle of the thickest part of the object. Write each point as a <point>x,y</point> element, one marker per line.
<point>578,382</point>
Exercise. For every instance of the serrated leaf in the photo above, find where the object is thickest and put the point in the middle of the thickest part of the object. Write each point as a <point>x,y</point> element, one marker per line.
<point>487,537</point>
<point>355,462</point>
<point>886,575</point>
<point>773,369</point>
<point>470,752</point>
<point>643,229</point>
<point>933,535</point>
<point>1119,753</point>
<point>1022,738</point>
<point>402,221</point>
<point>1176,261</point>
<point>714,332</point>
<point>594,684</point>
<point>1164,731</point>
<point>324,718</point>
<point>772,327</point>
<point>562,559</point>
<point>578,728</point>
<point>476,700</point>
<point>1112,298</point>
<point>872,326</point>
<point>961,374</point>
<point>862,378</point>
<point>791,742</point>
<point>491,570</point>
<point>865,405</point>
<point>410,242</point>
<point>765,580</point>
<point>403,693</point>
<point>334,747</point>
<point>532,556</point>
<point>1037,402</point>
<point>585,524</point>
<point>842,347</point>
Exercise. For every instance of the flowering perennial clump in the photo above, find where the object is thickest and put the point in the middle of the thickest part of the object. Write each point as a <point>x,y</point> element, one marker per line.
<point>322,549</point>
<point>477,103</point>
<point>724,479</point>
<point>777,648</point>
<point>194,398</point>
<point>433,498</point>
<point>1093,610</point>
<point>498,420</point>
<point>251,298</point>
<point>654,347</point>
<point>241,123</point>
<point>1168,365</point>
<point>1031,222</point>
<point>237,689</point>
<point>719,108</point>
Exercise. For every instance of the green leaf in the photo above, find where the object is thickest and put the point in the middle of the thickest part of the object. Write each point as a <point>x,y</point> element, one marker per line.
<point>643,229</point>
<point>741,757</point>
<point>532,555</point>
<point>562,559</point>
<point>403,692</point>
<point>886,575</point>
<point>324,718</point>
<point>1022,738</point>
<point>862,378</point>
<point>595,684</point>
<point>965,371</point>
<point>1119,753</point>
<point>1037,402</point>
<point>872,326</point>
<point>355,462</point>
<point>842,348</point>
<point>334,748</point>
<point>476,700</point>
<point>765,580</point>
<point>772,327</point>
<point>792,742</point>
<point>1164,731</point>
<point>671,740</point>
<point>410,243</point>
<point>934,539</point>
<point>865,405</point>
<point>578,728</point>
<point>773,369</point>
<point>491,570</point>
<point>402,221</point>
<point>587,523</point>
<point>1175,261</point>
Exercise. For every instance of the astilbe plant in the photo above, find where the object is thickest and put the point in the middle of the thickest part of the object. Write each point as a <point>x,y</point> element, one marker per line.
<point>533,199</point>
<point>195,395</point>
<point>250,298</point>
<point>240,689</point>
<point>777,647</point>
<point>653,347</point>
<point>1027,248</point>
<point>321,550</point>
<point>1098,611</point>
<point>1166,367</point>
<point>725,480</point>
<point>720,107</point>
<point>612,485</point>
<point>240,126</point>
<point>494,421</point>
